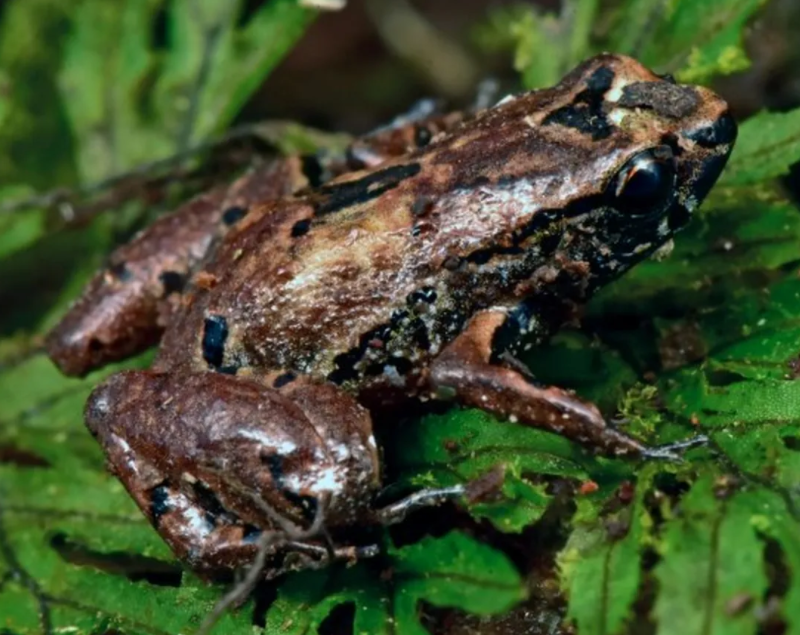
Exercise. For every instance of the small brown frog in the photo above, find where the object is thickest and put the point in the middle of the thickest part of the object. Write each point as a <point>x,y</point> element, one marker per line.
<point>297,304</point>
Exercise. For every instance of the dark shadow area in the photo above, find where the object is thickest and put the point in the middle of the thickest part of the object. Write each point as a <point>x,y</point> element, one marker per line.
<point>135,567</point>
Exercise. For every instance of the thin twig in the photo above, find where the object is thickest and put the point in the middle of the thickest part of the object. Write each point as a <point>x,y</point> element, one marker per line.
<point>266,542</point>
<point>269,131</point>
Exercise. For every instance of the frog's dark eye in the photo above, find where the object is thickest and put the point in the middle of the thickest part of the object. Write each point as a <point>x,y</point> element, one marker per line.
<point>645,182</point>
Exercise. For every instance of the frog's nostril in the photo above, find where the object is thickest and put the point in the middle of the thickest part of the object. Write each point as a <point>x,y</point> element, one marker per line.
<point>721,132</point>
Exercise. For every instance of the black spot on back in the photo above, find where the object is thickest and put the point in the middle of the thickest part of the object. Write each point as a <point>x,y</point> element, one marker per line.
<point>159,503</point>
<point>419,334</point>
<point>422,205</point>
<point>215,332</point>
<point>233,215</point>
<point>274,463</point>
<point>306,504</point>
<point>450,323</point>
<point>301,227</point>
<point>121,272</point>
<point>345,366</point>
<point>172,282</point>
<point>206,499</point>
<point>340,196</point>
<point>586,113</point>
<point>509,332</point>
<point>401,364</point>
<point>283,380</point>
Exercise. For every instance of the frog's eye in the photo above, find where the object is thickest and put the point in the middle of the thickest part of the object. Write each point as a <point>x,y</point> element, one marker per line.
<point>645,182</point>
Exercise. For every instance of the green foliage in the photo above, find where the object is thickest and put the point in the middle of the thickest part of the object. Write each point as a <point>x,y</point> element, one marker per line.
<point>696,39</point>
<point>453,571</point>
<point>768,143</point>
<point>603,570</point>
<point>131,102</point>
<point>707,340</point>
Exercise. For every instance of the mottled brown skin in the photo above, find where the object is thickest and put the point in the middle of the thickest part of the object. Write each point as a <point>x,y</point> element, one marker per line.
<point>417,277</point>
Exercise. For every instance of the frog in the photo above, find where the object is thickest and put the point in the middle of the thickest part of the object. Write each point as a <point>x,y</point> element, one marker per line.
<point>306,302</point>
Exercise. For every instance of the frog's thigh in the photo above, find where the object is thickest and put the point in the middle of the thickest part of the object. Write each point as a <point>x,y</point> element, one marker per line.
<point>465,368</point>
<point>153,442</point>
<point>212,459</point>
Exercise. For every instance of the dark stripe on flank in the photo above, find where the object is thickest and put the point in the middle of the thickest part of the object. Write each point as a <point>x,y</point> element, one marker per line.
<point>312,169</point>
<point>340,196</point>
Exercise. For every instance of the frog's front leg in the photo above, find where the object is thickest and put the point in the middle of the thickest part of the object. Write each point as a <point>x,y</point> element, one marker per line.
<point>471,369</point>
<point>218,462</point>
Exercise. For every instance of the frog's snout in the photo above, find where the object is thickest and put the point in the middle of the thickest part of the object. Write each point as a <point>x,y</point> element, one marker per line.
<point>712,146</point>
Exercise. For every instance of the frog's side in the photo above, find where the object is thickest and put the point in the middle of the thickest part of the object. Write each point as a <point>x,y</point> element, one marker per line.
<point>415,277</point>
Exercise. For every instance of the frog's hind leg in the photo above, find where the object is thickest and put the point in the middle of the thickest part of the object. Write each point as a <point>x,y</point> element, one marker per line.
<point>124,308</point>
<point>472,370</point>
<point>225,467</point>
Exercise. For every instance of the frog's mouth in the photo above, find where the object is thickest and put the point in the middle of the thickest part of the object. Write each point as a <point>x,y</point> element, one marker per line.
<point>699,168</point>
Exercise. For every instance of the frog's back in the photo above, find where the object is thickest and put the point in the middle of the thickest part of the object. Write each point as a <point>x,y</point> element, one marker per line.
<point>376,271</point>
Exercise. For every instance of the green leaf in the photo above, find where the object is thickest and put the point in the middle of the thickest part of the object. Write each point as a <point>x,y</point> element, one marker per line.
<point>467,575</point>
<point>452,571</point>
<point>521,504</point>
<point>36,142</point>
<point>698,38</point>
<point>464,445</point>
<point>775,519</point>
<point>130,103</point>
<point>747,379</point>
<point>527,31</point>
<point>712,562</point>
<point>307,598</point>
<point>602,573</point>
<point>768,144</point>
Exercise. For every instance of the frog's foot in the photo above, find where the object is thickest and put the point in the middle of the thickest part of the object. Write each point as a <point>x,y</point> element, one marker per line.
<point>317,557</point>
<point>396,512</point>
<point>472,370</point>
<point>674,451</point>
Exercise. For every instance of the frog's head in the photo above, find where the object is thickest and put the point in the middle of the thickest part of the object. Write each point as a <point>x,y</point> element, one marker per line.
<point>588,177</point>
<point>650,150</point>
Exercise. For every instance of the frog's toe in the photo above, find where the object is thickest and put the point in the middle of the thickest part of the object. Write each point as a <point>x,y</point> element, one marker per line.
<point>674,451</point>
